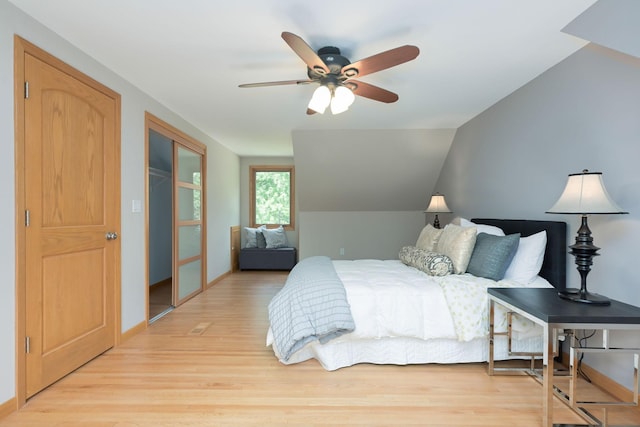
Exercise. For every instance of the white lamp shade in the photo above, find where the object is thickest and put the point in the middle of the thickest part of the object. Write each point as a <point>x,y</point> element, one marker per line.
<point>585,194</point>
<point>342,100</point>
<point>320,99</point>
<point>438,204</point>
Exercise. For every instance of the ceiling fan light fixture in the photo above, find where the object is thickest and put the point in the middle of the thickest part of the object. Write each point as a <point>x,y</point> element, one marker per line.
<point>350,73</point>
<point>342,99</point>
<point>320,100</point>
<point>328,67</point>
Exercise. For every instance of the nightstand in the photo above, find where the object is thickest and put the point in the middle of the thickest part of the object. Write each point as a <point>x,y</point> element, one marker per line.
<point>561,318</point>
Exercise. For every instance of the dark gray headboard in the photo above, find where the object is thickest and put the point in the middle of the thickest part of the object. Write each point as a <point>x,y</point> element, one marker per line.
<point>554,266</point>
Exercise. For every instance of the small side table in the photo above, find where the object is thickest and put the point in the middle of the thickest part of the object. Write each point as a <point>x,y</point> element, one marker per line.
<point>557,316</point>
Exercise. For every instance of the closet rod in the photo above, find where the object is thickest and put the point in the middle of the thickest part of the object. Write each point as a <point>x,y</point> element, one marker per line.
<point>159,172</point>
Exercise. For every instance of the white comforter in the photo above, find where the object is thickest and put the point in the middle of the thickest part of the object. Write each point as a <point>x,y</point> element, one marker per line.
<point>389,299</point>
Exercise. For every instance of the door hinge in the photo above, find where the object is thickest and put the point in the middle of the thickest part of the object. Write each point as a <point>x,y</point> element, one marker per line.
<point>27,345</point>
<point>27,218</point>
<point>26,90</point>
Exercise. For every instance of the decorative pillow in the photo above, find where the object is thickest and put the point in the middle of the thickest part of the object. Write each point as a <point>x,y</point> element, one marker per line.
<point>251,236</point>
<point>429,262</point>
<point>428,238</point>
<point>405,254</point>
<point>275,238</point>
<point>457,243</point>
<point>482,228</point>
<point>527,261</point>
<point>260,240</point>
<point>492,255</point>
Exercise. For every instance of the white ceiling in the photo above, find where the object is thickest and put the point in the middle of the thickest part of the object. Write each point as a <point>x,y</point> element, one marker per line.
<point>192,55</point>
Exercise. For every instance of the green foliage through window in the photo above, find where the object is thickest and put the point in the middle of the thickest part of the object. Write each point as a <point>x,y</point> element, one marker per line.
<point>273,197</point>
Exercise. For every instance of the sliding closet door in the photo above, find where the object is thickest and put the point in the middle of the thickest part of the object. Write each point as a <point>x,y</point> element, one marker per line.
<point>189,269</point>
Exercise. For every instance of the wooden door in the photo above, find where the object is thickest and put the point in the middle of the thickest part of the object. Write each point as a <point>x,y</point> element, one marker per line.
<point>72,203</point>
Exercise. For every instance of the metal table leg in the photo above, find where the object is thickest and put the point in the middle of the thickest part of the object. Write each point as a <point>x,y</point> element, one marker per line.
<point>547,378</point>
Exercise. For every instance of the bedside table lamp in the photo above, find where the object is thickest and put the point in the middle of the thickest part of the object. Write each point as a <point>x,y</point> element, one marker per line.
<point>437,205</point>
<point>585,195</point>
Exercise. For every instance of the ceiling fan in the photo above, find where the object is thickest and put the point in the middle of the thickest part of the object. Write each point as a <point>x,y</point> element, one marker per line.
<point>336,74</point>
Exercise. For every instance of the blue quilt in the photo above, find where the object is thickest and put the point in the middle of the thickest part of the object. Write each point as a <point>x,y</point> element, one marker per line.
<point>312,305</point>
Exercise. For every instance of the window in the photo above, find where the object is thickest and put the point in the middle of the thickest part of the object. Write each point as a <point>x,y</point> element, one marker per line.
<point>272,197</point>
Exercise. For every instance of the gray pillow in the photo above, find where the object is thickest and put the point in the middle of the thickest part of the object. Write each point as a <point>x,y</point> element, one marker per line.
<point>250,237</point>
<point>253,237</point>
<point>260,241</point>
<point>275,238</point>
<point>432,263</point>
<point>492,255</point>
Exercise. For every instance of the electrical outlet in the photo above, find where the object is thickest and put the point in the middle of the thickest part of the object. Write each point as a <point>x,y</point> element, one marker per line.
<point>341,251</point>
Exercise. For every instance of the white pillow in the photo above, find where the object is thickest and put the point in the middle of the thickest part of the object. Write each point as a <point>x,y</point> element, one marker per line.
<point>428,238</point>
<point>456,220</point>
<point>482,228</point>
<point>527,261</point>
<point>457,243</point>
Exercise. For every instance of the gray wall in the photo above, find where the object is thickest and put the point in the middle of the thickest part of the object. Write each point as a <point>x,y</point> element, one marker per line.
<point>368,170</point>
<point>358,235</point>
<point>512,161</point>
<point>222,191</point>
<point>365,190</point>
<point>223,206</point>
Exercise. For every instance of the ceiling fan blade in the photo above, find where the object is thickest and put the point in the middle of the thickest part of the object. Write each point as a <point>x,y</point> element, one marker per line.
<point>370,91</point>
<point>280,83</point>
<point>381,61</point>
<point>310,111</point>
<point>305,52</point>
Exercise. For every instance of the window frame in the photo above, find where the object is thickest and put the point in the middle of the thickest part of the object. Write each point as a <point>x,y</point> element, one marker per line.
<point>252,194</point>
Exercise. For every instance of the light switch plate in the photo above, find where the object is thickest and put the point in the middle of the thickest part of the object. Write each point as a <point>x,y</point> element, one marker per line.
<point>136,206</point>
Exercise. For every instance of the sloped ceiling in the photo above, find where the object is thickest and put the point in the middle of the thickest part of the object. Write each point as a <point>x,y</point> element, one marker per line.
<point>375,170</point>
<point>610,23</point>
<point>192,55</point>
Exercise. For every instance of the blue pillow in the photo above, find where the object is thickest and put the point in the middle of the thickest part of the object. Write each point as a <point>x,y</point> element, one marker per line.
<point>492,255</point>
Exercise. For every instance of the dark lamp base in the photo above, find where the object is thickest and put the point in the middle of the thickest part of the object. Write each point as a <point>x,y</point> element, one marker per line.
<point>584,297</point>
<point>584,250</point>
<point>436,222</point>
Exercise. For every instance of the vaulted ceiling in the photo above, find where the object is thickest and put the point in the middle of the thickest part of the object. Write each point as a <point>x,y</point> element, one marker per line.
<point>192,55</point>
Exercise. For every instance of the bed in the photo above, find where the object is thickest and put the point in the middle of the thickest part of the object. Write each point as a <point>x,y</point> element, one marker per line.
<point>346,312</point>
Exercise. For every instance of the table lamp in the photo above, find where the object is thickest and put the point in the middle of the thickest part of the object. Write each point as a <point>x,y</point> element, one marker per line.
<point>585,194</point>
<point>437,205</point>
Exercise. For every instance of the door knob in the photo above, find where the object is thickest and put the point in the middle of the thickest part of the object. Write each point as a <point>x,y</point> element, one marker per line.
<point>111,235</point>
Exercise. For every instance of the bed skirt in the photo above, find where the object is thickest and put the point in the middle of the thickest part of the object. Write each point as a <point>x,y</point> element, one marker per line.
<point>341,353</point>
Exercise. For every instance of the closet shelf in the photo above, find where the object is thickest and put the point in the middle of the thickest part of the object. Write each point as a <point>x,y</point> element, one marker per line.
<point>158,176</point>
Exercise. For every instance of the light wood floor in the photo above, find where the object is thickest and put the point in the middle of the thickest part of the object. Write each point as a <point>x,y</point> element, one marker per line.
<point>206,364</point>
